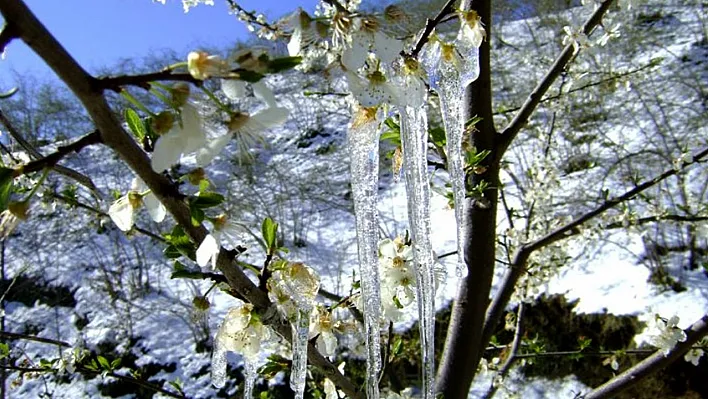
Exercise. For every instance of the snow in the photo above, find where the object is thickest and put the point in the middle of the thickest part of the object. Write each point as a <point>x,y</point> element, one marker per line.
<point>122,284</point>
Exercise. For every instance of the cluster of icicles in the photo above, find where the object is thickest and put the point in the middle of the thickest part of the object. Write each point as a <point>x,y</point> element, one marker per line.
<point>449,71</point>
<point>449,80</point>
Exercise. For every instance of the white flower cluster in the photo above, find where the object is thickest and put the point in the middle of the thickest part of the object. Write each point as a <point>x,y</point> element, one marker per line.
<point>122,211</point>
<point>668,334</point>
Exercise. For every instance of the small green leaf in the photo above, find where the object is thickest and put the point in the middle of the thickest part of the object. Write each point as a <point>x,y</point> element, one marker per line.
<point>197,215</point>
<point>437,136</point>
<point>283,63</point>
<point>4,350</point>
<point>115,364</point>
<point>7,176</point>
<point>397,346</point>
<point>269,230</point>
<point>103,362</point>
<point>182,271</point>
<point>135,123</point>
<point>206,200</point>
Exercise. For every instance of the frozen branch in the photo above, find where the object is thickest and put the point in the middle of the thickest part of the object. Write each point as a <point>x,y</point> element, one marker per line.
<point>7,34</point>
<point>516,270</point>
<point>536,96</point>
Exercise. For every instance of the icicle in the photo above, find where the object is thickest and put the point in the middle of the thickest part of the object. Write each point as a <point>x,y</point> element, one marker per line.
<point>298,373</point>
<point>414,134</point>
<point>218,364</point>
<point>251,372</point>
<point>364,164</point>
<point>451,69</point>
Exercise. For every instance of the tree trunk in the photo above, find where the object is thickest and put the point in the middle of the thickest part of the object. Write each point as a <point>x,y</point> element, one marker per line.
<point>463,345</point>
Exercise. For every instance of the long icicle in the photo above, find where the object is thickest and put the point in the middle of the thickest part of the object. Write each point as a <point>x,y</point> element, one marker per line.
<point>363,145</point>
<point>414,133</point>
<point>298,373</point>
<point>251,372</point>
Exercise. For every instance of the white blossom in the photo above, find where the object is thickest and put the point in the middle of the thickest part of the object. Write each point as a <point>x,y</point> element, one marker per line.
<point>397,277</point>
<point>369,38</point>
<point>182,139</point>
<point>576,38</point>
<point>694,356</point>
<point>203,66</point>
<point>224,232</point>
<point>322,327</point>
<point>668,333</point>
<point>122,211</point>
<point>241,333</point>
<point>373,90</point>
<point>472,29</point>
<point>188,4</point>
<point>246,129</point>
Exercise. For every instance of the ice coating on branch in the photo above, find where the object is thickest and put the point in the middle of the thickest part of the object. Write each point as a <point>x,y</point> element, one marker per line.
<point>363,145</point>
<point>250,373</point>
<point>293,287</point>
<point>451,68</point>
<point>414,135</point>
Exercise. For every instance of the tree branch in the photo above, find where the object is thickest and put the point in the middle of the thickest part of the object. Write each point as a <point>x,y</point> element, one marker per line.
<point>516,270</point>
<point>25,337</point>
<point>90,92</point>
<point>116,83</point>
<point>52,159</point>
<point>430,25</point>
<point>521,118</point>
<point>7,34</point>
<point>652,364</point>
<point>68,172</point>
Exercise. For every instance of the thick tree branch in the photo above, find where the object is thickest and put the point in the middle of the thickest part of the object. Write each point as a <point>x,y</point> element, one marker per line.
<point>68,172</point>
<point>7,34</point>
<point>516,270</point>
<point>652,364</point>
<point>90,92</point>
<point>430,25</point>
<point>521,118</point>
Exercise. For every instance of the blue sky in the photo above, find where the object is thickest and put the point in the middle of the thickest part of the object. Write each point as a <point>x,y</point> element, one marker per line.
<point>100,32</point>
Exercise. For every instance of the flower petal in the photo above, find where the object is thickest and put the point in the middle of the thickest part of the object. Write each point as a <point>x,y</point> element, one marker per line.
<point>167,152</point>
<point>264,93</point>
<point>154,207</point>
<point>122,213</point>
<point>207,154</point>
<point>233,89</point>
<point>207,250</point>
<point>386,47</point>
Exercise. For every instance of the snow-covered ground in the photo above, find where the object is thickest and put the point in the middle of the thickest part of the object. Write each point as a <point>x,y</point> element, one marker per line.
<point>126,300</point>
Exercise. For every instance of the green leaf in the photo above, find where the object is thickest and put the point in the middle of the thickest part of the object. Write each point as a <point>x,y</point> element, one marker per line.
<point>103,362</point>
<point>115,364</point>
<point>437,136</point>
<point>206,200</point>
<point>7,176</point>
<point>397,346</point>
<point>197,215</point>
<point>135,123</point>
<point>283,63</point>
<point>4,350</point>
<point>269,230</point>
<point>182,271</point>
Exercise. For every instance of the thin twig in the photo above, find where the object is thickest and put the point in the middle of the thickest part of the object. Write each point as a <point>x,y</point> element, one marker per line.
<point>511,358</point>
<point>430,25</point>
<point>252,18</point>
<point>26,337</point>
<point>522,117</point>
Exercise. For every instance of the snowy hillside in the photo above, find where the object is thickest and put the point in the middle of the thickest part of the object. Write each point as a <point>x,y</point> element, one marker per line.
<point>78,279</point>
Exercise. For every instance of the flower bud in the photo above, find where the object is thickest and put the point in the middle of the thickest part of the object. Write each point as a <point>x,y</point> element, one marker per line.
<point>196,176</point>
<point>180,94</point>
<point>19,209</point>
<point>201,303</point>
<point>162,122</point>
